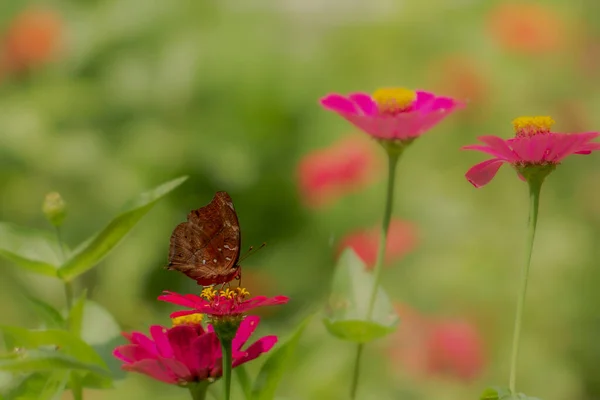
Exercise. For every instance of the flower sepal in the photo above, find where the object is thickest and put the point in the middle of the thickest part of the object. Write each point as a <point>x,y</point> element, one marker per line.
<point>348,308</point>
<point>535,174</point>
<point>395,147</point>
<point>226,327</point>
<point>501,393</point>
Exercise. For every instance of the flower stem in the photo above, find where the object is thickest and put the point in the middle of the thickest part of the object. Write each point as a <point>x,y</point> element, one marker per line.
<point>198,390</point>
<point>227,362</point>
<point>68,284</point>
<point>393,157</point>
<point>535,186</point>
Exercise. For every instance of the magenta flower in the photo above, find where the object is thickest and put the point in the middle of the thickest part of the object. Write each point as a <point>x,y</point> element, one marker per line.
<point>187,353</point>
<point>394,114</point>
<point>225,303</point>
<point>533,147</point>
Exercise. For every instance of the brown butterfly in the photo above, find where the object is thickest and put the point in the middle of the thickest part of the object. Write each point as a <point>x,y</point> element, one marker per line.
<point>207,247</point>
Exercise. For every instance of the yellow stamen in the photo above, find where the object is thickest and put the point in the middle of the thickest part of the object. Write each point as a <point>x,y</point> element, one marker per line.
<point>208,293</point>
<point>242,292</point>
<point>227,293</point>
<point>394,100</point>
<point>530,126</point>
<point>193,319</point>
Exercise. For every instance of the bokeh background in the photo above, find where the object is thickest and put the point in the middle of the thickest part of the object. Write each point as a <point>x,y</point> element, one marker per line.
<point>102,99</point>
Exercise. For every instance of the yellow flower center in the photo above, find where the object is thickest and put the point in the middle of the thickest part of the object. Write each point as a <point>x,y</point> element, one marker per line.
<point>531,126</point>
<point>193,319</point>
<point>392,101</point>
<point>239,293</point>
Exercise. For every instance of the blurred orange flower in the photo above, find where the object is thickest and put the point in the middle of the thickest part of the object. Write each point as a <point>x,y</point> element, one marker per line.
<point>32,38</point>
<point>346,166</point>
<point>431,346</point>
<point>459,76</point>
<point>527,27</point>
<point>402,238</point>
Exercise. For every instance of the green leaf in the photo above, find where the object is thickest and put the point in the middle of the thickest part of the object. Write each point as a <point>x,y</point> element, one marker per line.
<point>66,341</point>
<point>244,381</point>
<point>95,249</point>
<point>102,332</point>
<point>501,393</point>
<point>33,250</point>
<point>45,360</point>
<point>347,312</point>
<point>76,386</point>
<point>39,386</point>
<point>75,318</point>
<point>51,317</point>
<point>273,369</point>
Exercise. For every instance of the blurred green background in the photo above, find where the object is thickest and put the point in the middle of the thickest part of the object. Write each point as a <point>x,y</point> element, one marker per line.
<point>118,96</point>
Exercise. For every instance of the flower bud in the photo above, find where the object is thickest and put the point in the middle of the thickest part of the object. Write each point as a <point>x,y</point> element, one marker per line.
<point>54,208</point>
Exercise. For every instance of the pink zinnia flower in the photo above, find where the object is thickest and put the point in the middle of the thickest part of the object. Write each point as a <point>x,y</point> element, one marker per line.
<point>219,304</point>
<point>429,346</point>
<point>346,166</point>
<point>187,353</point>
<point>401,239</point>
<point>533,148</point>
<point>392,114</point>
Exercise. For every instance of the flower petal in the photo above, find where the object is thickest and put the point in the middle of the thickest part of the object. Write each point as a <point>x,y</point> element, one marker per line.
<point>204,354</point>
<point>500,145</point>
<point>244,332</point>
<point>188,300</point>
<point>160,339</point>
<point>130,353</point>
<point>262,345</point>
<point>154,369</point>
<point>339,104</point>
<point>144,342</point>
<point>482,173</point>
<point>365,103</point>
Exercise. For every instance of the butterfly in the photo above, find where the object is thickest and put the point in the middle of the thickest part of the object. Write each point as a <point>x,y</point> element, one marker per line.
<point>207,247</point>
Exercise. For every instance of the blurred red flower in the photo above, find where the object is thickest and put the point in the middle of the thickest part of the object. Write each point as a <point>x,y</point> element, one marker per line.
<point>32,38</point>
<point>402,238</point>
<point>431,346</point>
<point>346,166</point>
<point>527,27</point>
<point>460,76</point>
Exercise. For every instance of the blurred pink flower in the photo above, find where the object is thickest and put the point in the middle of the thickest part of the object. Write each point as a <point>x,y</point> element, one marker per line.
<point>32,38</point>
<point>402,238</point>
<point>461,76</point>
<point>533,146</point>
<point>225,303</point>
<point>394,114</point>
<point>187,353</point>
<point>327,174</point>
<point>530,28</point>
<point>429,346</point>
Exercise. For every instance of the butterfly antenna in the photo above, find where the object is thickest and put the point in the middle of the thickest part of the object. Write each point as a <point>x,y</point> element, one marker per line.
<point>251,251</point>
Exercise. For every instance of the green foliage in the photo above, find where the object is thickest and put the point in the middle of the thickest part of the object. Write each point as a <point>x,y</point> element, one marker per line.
<point>277,364</point>
<point>33,250</point>
<point>46,360</point>
<point>94,250</point>
<point>346,314</point>
<point>500,393</point>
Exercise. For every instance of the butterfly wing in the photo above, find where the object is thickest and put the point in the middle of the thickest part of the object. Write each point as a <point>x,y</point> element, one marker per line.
<point>207,247</point>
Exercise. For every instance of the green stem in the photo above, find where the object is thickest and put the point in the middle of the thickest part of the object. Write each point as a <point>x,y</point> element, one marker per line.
<point>356,373</point>
<point>393,157</point>
<point>535,187</point>
<point>227,362</point>
<point>198,390</point>
<point>68,284</point>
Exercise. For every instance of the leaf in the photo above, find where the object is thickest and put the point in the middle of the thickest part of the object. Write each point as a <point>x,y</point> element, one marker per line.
<point>102,332</point>
<point>39,386</point>
<point>50,316</point>
<point>95,249</point>
<point>75,319</point>
<point>44,360</point>
<point>33,250</point>
<point>347,312</point>
<point>244,381</point>
<point>501,393</point>
<point>273,369</point>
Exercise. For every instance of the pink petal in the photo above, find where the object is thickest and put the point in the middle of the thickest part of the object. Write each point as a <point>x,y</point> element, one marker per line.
<point>176,298</point>
<point>160,338</point>
<point>153,369</point>
<point>256,349</point>
<point>365,103</point>
<point>244,332</point>
<point>131,353</point>
<point>424,99</point>
<point>499,145</point>
<point>143,341</point>
<point>204,354</point>
<point>177,368</point>
<point>483,149</point>
<point>183,313</point>
<point>482,173</point>
<point>180,340</point>
<point>339,104</point>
